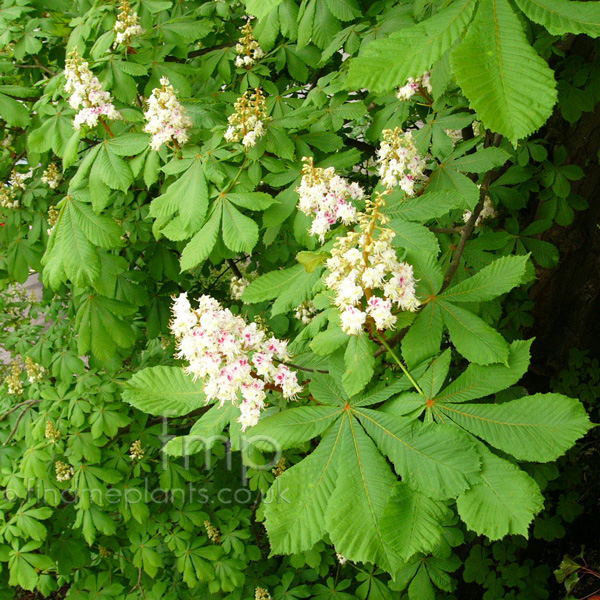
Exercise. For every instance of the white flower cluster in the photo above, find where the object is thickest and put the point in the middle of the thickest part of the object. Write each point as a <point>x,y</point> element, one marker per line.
<point>247,123</point>
<point>165,118</point>
<point>487,212</point>
<point>248,49</point>
<point>414,86</point>
<point>51,176</point>
<point>364,262</point>
<point>86,94</point>
<point>326,196</point>
<point>305,312</point>
<point>127,26</point>
<point>8,192</point>
<point>64,471</point>
<point>232,357</point>
<point>399,161</point>
<point>17,180</point>
<point>52,218</point>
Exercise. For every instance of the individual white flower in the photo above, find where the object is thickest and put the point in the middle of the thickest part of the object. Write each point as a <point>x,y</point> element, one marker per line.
<point>247,122</point>
<point>165,117</point>
<point>352,320</point>
<point>327,197</point>
<point>247,48</point>
<point>86,94</point>
<point>400,163</point>
<point>413,86</point>
<point>235,360</point>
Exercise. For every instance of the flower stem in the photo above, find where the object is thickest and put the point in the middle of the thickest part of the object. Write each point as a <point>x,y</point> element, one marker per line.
<point>400,363</point>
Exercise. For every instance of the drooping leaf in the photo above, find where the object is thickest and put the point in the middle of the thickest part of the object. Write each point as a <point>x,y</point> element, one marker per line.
<point>490,65</point>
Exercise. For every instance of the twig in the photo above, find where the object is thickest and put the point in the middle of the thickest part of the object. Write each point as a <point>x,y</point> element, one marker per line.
<point>234,268</point>
<point>289,364</point>
<point>37,66</point>
<point>14,429</point>
<point>400,363</point>
<point>16,407</point>
<point>446,229</point>
<point>470,226</point>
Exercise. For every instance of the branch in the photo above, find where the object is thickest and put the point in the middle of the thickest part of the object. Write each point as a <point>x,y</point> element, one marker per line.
<point>21,415</point>
<point>470,226</point>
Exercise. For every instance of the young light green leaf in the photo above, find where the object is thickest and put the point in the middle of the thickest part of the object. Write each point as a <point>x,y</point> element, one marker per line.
<point>201,245</point>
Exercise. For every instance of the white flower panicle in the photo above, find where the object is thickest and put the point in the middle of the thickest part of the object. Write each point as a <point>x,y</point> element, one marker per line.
<point>165,117</point>
<point>247,48</point>
<point>86,94</point>
<point>400,163</point>
<point>234,359</point>
<point>52,218</point>
<point>9,192</point>
<point>247,123</point>
<point>414,86</point>
<point>364,264</point>
<point>17,180</point>
<point>262,594</point>
<point>34,371</point>
<point>136,452</point>
<point>14,385</point>
<point>51,176</point>
<point>305,312</point>
<point>487,212</point>
<point>341,558</point>
<point>327,197</point>
<point>64,471</point>
<point>127,25</point>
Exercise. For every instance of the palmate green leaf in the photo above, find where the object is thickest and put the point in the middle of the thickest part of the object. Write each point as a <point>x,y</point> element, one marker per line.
<point>503,503</point>
<point>425,207</point>
<point>495,279</point>
<point>537,428</point>
<point>101,328</point>
<point>388,63</point>
<point>240,233</point>
<point>436,460</point>
<point>472,336</point>
<point>164,391</point>
<point>564,16</point>
<point>414,236</point>
<point>436,374</point>
<point>360,496</point>
<point>111,169</point>
<point>424,337</point>
<point>261,8</point>
<point>478,381</point>
<point>205,432</point>
<point>491,64</point>
<point>360,363</point>
<point>481,161</point>
<point>186,196</point>
<point>15,113</point>
<point>295,507</point>
<point>412,521</point>
<point>201,245</point>
<point>252,200</point>
<point>293,427</point>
